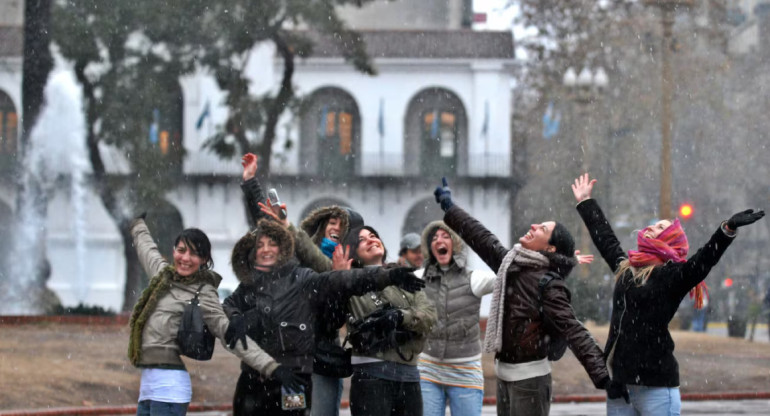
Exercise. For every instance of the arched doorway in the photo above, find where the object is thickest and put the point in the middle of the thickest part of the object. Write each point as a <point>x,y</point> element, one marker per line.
<point>420,215</point>
<point>9,133</point>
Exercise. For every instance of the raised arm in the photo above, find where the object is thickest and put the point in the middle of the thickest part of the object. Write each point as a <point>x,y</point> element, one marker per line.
<point>340,285</point>
<point>146,249</point>
<point>598,227</point>
<point>251,188</point>
<point>478,237</point>
<point>699,265</point>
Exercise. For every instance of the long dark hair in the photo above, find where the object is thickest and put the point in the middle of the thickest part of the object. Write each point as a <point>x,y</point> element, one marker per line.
<point>197,241</point>
<point>562,240</point>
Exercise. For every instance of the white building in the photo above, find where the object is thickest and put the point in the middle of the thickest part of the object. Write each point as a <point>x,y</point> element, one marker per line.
<point>440,106</point>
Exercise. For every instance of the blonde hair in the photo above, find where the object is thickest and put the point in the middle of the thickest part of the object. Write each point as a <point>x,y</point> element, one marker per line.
<point>640,275</point>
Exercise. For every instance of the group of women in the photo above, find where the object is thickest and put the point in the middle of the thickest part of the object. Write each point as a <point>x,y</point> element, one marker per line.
<point>300,285</point>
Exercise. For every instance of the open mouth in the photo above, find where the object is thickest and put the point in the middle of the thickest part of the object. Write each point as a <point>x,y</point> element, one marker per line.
<point>442,251</point>
<point>529,235</point>
<point>334,237</point>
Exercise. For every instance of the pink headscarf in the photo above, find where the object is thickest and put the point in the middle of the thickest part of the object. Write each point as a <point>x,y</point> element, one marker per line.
<point>670,245</point>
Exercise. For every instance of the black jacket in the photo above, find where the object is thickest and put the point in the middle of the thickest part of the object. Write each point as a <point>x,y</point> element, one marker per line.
<point>643,348</point>
<point>281,306</point>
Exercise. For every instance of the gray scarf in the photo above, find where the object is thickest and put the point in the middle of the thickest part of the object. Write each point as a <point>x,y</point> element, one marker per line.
<point>516,259</point>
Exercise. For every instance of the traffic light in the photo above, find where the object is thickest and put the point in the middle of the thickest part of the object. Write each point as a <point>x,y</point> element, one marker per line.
<point>686,211</point>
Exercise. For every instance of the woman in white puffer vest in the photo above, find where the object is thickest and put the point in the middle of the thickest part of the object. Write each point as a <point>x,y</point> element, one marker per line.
<point>450,364</point>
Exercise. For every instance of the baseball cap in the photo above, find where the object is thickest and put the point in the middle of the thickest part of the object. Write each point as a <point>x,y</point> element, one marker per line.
<point>410,241</point>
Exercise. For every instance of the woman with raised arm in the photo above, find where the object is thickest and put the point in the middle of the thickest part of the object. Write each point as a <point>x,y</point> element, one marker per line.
<point>650,283</point>
<point>165,387</point>
<point>517,330</point>
<point>315,241</point>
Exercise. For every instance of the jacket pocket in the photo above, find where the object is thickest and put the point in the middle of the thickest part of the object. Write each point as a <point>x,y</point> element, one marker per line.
<point>295,337</point>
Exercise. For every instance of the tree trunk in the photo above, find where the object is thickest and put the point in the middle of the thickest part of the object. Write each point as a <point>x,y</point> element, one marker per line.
<point>132,286</point>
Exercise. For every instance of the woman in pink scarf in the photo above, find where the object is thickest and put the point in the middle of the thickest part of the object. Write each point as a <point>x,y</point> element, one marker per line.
<point>651,282</point>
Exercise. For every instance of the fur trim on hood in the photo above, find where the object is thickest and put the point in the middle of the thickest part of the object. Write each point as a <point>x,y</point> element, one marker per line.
<point>427,236</point>
<point>243,256</point>
<point>315,223</point>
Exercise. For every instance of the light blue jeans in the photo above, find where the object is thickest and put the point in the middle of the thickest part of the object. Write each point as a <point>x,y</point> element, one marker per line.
<point>646,401</point>
<point>327,393</point>
<point>462,401</point>
<point>155,408</point>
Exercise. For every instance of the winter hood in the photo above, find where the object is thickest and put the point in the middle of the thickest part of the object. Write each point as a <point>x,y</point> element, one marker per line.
<point>244,252</point>
<point>457,243</point>
<point>315,223</point>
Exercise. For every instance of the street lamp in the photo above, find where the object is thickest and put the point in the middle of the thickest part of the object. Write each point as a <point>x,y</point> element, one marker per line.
<point>667,9</point>
<point>585,88</point>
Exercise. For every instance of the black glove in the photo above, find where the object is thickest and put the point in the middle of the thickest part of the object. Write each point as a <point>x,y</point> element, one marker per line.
<point>405,279</point>
<point>289,379</point>
<point>383,321</point>
<point>616,390</point>
<point>141,216</point>
<point>744,218</point>
<point>236,331</point>
<point>444,195</point>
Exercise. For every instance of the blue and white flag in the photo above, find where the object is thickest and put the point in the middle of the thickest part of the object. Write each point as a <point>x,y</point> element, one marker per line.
<point>204,114</point>
<point>381,119</point>
<point>551,121</point>
<point>154,126</point>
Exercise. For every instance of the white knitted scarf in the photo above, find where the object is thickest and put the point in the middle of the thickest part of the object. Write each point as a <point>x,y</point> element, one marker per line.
<point>516,259</point>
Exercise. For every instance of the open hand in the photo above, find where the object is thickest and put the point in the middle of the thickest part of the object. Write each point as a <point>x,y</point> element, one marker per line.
<point>744,218</point>
<point>249,163</point>
<point>341,258</point>
<point>582,187</point>
<point>584,259</point>
<point>274,212</point>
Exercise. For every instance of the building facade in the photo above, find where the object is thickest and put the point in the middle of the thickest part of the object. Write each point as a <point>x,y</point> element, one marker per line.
<point>439,106</point>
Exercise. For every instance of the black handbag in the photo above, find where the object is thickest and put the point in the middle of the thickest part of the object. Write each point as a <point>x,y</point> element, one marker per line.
<point>332,360</point>
<point>193,337</point>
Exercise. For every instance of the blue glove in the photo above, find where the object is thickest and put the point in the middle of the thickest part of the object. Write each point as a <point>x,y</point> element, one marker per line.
<point>444,195</point>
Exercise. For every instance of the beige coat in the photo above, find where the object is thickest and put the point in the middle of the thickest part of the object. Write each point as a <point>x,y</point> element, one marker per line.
<point>159,346</point>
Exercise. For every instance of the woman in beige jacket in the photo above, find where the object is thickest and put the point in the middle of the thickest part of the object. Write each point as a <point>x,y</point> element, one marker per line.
<point>165,387</point>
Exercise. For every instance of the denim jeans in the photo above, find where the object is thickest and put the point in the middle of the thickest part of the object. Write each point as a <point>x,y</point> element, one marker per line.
<point>370,396</point>
<point>646,401</point>
<point>462,400</point>
<point>530,397</point>
<point>155,408</point>
<point>327,394</point>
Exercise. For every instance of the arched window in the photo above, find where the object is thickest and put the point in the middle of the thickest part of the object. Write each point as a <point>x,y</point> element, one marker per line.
<point>420,215</point>
<point>436,134</point>
<point>330,134</point>
<point>9,132</point>
<point>166,128</point>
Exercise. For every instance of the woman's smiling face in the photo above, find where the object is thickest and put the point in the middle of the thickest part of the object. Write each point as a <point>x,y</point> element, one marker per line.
<point>370,249</point>
<point>654,230</point>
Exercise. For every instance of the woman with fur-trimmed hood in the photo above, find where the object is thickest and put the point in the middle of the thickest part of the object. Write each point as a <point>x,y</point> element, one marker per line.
<point>318,235</point>
<point>450,363</point>
<point>277,303</point>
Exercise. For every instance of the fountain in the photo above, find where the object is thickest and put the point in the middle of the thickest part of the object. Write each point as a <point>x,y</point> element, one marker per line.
<point>56,149</point>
